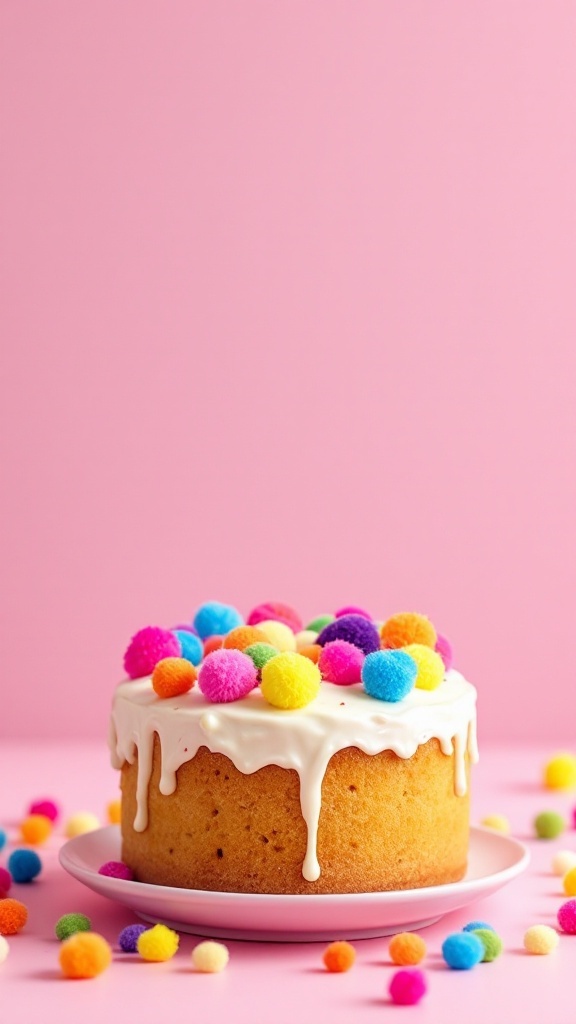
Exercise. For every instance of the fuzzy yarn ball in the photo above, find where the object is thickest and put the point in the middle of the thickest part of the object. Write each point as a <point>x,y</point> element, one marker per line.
<point>3,838</point>
<point>158,943</point>
<point>497,822</point>
<point>5,880</point>
<point>355,629</point>
<point>339,957</point>
<point>408,628</point>
<point>24,865</point>
<point>567,917</point>
<point>278,634</point>
<point>213,617</point>
<point>13,916</point>
<point>79,823</point>
<point>549,825</point>
<point>116,869</point>
<point>569,882</point>
<point>260,654</point>
<point>70,924</point>
<point>407,988</point>
<point>462,950</point>
<point>313,652</point>
<point>146,649</point>
<point>244,636</point>
<point>341,663</point>
<point>429,664</point>
<point>35,829</point>
<point>279,612</point>
<point>562,862</point>
<point>227,675</point>
<point>4,949</point>
<point>186,627</point>
<point>173,676</point>
<point>213,643</point>
<point>191,646</point>
<point>210,957</point>
<point>407,949</point>
<point>352,609</point>
<point>305,638</point>
<point>84,955</point>
<point>320,623</point>
<point>492,943</point>
<point>290,681</point>
<point>474,926</point>
<point>49,808</point>
<point>541,939</point>
<point>444,649</point>
<point>114,812</point>
<point>560,772</point>
<point>128,938</point>
<point>389,675</point>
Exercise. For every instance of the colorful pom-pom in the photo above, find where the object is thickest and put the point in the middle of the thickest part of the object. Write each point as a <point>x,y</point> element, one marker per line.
<point>5,880</point>
<point>4,949</point>
<point>158,943</point>
<point>474,926</point>
<point>492,944</point>
<point>462,950</point>
<point>339,957</point>
<point>35,829</point>
<point>341,663</point>
<point>213,643</point>
<point>305,638</point>
<point>128,938</point>
<point>429,664</point>
<point>146,648</point>
<point>3,838</point>
<point>173,676</point>
<point>549,825</point>
<point>313,652</point>
<point>541,939</point>
<point>116,869</point>
<point>569,882</point>
<point>210,957</point>
<point>114,812</point>
<point>260,654</point>
<point>352,609</point>
<point>567,917</point>
<point>277,611</point>
<point>444,649</point>
<point>290,681</point>
<point>13,916</point>
<point>24,865</point>
<point>278,634</point>
<point>407,987</point>
<point>562,862</point>
<point>407,949</point>
<point>191,646</point>
<point>49,808</point>
<point>389,675</point>
<point>70,924</point>
<point>408,628</point>
<point>560,772</point>
<point>244,636</point>
<point>215,618</point>
<point>227,675</point>
<point>79,823</point>
<point>355,630</point>
<point>84,955</point>
<point>497,822</point>
<point>320,623</point>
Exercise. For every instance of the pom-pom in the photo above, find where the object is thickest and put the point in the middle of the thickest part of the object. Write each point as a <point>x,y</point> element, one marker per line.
<point>4,949</point>
<point>227,675</point>
<point>146,648</point>
<point>320,623</point>
<point>562,862</point>
<point>84,955</point>
<point>462,950</point>
<point>407,949</point>
<point>158,943</point>
<point>389,675</point>
<point>260,654</point>
<point>185,627</point>
<point>173,676</point>
<point>278,634</point>
<point>497,822</point>
<point>210,957</point>
<point>351,609</point>
<point>278,612</point>
<point>429,664</point>
<point>244,636</point>
<point>560,772</point>
<point>70,924</point>
<point>341,663</point>
<point>79,823</point>
<point>305,638</point>
<point>3,838</point>
<point>541,939</point>
<point>114,812</point>
<point>567,917</point>
<point>492,943</point>
<point>116,869</point>
<point>313,652</point>
<point>191,646</point>
<point>549,825</point>
<point>355,630</point>
<point>13,916</point>
<point>213,643</point>
<point>339,957</point>
<point>474,926</point>
<point>128,938</point>
<point>24,865</point>
<point>35,829</point>
<point>5,880</point>
<point>408,628</point>
<point>569,882</point>
<point>216,618</point>
<point>49,808</point>
<point>444,649</point>
<point>290,681</point>
<point>407,987</point>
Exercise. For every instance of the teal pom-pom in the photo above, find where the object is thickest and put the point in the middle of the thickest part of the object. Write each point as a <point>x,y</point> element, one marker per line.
<point>462,950</point>
<point>3,839</point>
<point>260,653</point>
<point>70,924</point>
<point>216,619</point>
<point>389,675</point>
<point>192,648</point>
<point>24,865</point>
<point>320,623</point>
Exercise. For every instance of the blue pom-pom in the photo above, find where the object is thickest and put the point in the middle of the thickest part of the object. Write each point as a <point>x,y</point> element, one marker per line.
<point>215,619</point>
<point>192,648</point>
<point>389,675</point>
<point>128,938</point>
<point>24,865</point>
<point>355,629</point>
<point>3,839</point>
<point>462,950</point>
<point>473,925</point>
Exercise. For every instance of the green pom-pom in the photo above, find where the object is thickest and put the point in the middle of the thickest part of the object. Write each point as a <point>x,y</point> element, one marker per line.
<point>492,944</point>
<point>549,824</point>
<point>70,924</point>
<point>320,623</point>
<point>260,653</point>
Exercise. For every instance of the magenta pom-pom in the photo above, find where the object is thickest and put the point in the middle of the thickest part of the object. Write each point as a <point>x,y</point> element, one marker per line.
<point>117,869</point>
<point>48,808</point>
<point>341,663</point>
<point>277,611</point>
<point>351,609</point>
<point>567,917</point>
<point>227,675</point>
<point>407,987</point>
<point>444,649</point>
<point>574,817</point>
<point>5,880</point>
<point>147,647</point>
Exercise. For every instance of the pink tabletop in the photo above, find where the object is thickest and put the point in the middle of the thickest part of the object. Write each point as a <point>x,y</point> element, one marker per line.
<point>282,984</point>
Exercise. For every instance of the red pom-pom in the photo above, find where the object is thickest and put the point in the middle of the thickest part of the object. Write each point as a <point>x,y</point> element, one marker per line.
<point>278,611</point>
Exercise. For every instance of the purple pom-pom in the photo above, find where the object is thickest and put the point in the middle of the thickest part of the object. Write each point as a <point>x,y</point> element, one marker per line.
<point>117,869</point>
<point>355,630</point>
<point>147,647</point>
<point>444,649</point>
<point>351,609</point>
<point>226,675</point>
<point>186,626</point>
<point>128,938</point>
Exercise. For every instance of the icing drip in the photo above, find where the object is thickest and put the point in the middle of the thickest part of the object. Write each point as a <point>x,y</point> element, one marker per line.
<point>253,734</point>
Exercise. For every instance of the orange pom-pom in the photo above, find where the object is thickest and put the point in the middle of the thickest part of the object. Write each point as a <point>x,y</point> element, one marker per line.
<point>13,916</point>
<point>114,812</point>
<point>173,676</point>
<point>312,651</point>
<point>407,949</point>
<point>213,643</point>
<point>339,956</point>
<point>243,636</point>
<point>35,829</point>
<point>84,955</point>
<point>408,628</point>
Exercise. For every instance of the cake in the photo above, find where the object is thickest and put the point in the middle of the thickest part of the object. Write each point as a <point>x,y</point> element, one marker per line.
<point>333,760</point>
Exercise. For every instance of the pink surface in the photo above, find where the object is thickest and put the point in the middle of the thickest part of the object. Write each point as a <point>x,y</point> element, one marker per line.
<point>288,314</point>
<point>288,981</point>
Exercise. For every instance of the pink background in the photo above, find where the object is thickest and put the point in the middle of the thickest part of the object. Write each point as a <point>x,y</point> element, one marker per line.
<point>289,313</point>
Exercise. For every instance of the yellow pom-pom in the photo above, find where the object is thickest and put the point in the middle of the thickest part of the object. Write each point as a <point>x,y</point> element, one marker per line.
<point>497,822</point>
<point>210,957</point>
<point>79,823</point>
<point>540,939</point>
<point>280,636</point>
<point>158,943</point>
<point>569,882</point>
<point>84,955</point>
<point>305,638</point>
<point>408,628</point>
<point>290,680</point>
<point>407,949</point>
<point>430,666</point>
<point>560,772</point>
<point>35,829</point>
<point>114,812</point>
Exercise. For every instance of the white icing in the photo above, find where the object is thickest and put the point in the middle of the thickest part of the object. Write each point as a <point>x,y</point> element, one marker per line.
<point>253,734</point>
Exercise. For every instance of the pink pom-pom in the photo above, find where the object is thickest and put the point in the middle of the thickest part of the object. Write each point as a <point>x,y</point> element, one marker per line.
<point>407,987</point>
<point>146,648</point>
<point>117,869</point>
<point>226,675</point>
<point>186,627</point>
<point>567,917</point>
<point>351,609</point>
<point>444,649</point>
<point>278,611</point>
<point>48,808</point>
<point>574,817</point>
<point>341,663</point>
<point>5,880</point>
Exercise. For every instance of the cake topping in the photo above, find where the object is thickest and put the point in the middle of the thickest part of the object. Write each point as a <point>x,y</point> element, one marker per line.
<point>147,647</point>
<point>444,649</point>
<point>278,634</point>
<point>341,662</point>
<point>429,664</point>
<point>191,645</point>
<point>214,617</point>
<point>290,681</point>
<point>389,675</point>
<point>408,628</point>
<point>355,629</point>
<point>261,653</point>
<point>243,636</point>
<point>173,676</point>
<point>277,611</point>
<point>227,675</point>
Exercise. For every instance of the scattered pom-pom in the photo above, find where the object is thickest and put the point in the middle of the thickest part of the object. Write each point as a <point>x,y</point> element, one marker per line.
<point>78,824</point>
<point>492,943</point>
<point>114,812</point>
<point>215,618</point>
<point>210,957</point>
<point>313,652</point>
<point>84,955</point>
<point>569,882</point>
<point>541,939</point>
<point>429,664</point>
<point>567,917</point>
<point>13,916</point>
<point>213,643</point>
<point>278,612</point>
<point>158,943</point>
<point>5,880</point>
<point>562,862</point>
<point>227,675</point>
<point>497,822</point>
<point>147,647</point>
<point>549,825</point>
<point>244,636</point>
<point>305,638</point>
<point>408,628</point>
<point>407,949</point>
<point>24,865</point>
<point>260,654</point>
<point>173,676</point>
<point>35,829</point>
<point>3,838</point>
<point>117,869</point>
<point>278,634</point>
<point>341,663</point>
<point>49,808</point>
<point>191,646</point>
<point>462,950</point>
<point>474,926</point>
<point>70,924</point>
<point>444,649</point>
<point>4,949</point>
<point>128,938</point>
<point>320,623</point>
<point>290,681</point>
<point>389,675</point>
<point>339,957</point>
<point>351,609</point>
<point>560,772</point>
<point>355,630</point>
<point>407,988</point>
